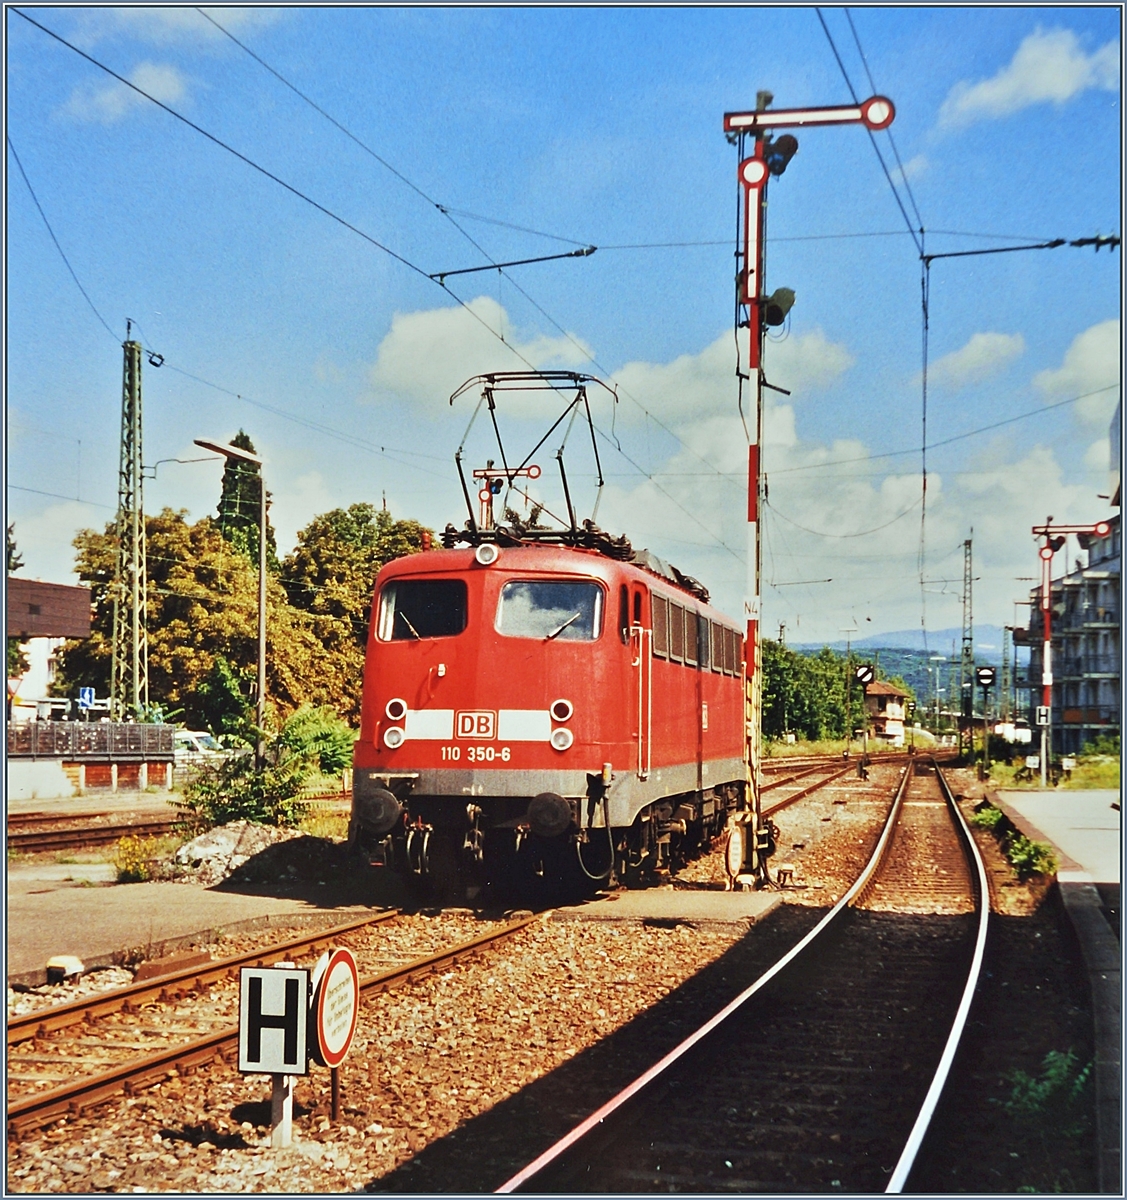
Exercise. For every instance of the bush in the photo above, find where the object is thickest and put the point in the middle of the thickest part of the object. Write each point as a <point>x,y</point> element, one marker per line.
<point>1028,857</point>
<point>319,735</point>
<point>234,790</point>
<point>131,858</point>
<point>1058,1094</point>
<point>988,817</point>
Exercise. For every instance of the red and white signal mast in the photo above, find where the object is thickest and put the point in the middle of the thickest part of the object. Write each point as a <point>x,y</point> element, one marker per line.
<point>770,157</point>
<point>1054,538</point>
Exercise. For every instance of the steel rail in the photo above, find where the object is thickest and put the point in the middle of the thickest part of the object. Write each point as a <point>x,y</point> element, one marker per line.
<point>40,1022</point>
<point>615,1102</point>
<point>796,776</point>
<point>806,791</point>
<point>26,1112</point>
<point>915,1139</point>
<point>31,840</point>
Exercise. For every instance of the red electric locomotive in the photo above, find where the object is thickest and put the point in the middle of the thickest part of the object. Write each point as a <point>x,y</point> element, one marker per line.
<point>545,703</point>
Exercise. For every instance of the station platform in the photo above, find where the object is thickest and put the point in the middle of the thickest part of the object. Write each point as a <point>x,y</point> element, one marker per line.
<point>1083,827</point>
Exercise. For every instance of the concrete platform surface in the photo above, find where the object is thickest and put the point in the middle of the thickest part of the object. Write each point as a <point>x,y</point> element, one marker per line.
<point>59,916</point>
<point>96,802</point>
<point>1082,825</point>
<point>675,906</point>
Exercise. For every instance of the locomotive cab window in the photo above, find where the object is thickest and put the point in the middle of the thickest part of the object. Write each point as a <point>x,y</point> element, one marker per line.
<point>413,609</point>
<point>564,610</point>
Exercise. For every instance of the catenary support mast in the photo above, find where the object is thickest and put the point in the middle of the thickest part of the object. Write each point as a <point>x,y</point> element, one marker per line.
<point>129,670</point>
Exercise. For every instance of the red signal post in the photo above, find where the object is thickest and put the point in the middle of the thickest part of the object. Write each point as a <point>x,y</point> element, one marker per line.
<point>770,157</point>
<point>1054,538</point>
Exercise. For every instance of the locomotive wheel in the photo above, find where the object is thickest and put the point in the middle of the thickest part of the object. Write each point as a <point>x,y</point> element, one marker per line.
<point>444,877</point>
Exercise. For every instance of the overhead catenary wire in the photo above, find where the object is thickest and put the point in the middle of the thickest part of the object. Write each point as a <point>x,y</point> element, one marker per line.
<point>359,232</point>
<point>58,247</point>
<point>447,212</point>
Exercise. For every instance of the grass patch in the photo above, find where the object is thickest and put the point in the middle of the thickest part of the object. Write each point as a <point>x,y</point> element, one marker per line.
<point>1096,771</point>
<point>332,826</point>
<point>134,856</point>
<point>773,749</point>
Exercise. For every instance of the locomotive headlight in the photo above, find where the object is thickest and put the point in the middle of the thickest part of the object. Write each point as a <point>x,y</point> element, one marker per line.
<point>393,737</point>
<point>487,554</point>
<point>396,709</point>
<point>561,739</point>
<point>561,710</point>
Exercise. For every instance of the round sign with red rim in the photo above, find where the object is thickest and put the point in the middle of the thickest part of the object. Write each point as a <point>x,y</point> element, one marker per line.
<point>336,1006</point>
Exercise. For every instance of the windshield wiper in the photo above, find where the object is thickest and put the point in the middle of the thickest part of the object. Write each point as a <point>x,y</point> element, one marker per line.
<point>403,617</point>
<point>560,628</point>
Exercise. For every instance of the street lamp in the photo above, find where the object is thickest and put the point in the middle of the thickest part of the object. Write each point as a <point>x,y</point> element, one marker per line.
<point>237,454</point>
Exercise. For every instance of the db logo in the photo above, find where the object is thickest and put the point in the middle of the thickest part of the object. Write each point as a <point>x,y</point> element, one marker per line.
<point>476,724</point>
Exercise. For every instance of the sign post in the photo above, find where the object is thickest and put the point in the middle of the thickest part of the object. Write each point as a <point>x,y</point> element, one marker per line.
<point>864,674</point>
<point>986,677</point>
<point>273,1036</point>
<point>334,1010</point>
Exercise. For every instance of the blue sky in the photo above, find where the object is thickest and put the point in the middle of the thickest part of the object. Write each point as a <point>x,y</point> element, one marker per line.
<point>602,127</point>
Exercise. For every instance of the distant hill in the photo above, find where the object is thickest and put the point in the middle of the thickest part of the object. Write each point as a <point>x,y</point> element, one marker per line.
<point>987,642</point>
<point>902,653</point>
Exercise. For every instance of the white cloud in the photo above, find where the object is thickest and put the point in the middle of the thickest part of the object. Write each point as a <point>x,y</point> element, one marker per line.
<point>1049,66</point>
<point>1098,457</point>
<point>913,169</point>
<point>110,102</point>
<point>983,356</point>
<point>426,355</point>
<point>1093,361</point>
<point>168,25</point>
<point>45,536</point>
<point>697,386</point>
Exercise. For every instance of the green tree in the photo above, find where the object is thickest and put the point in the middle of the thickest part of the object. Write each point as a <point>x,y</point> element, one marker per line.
<point>329,578</point>
<point>203,607</point>
<point>17,660</point>
<point>240,502</point>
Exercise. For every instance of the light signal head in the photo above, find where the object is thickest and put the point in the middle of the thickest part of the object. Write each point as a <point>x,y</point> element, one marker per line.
<point>777,152</point>
<point>776,306</point>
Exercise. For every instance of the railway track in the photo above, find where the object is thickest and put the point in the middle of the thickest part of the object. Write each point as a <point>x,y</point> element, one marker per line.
<point>811,1079</point>
<point>39,832</point>
<point>113,1026</point>
<point>84,837</point>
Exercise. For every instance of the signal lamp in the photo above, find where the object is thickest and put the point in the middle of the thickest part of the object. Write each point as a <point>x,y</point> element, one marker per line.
<point>394,737</point>
<point>561,739</point>
<point>487,554</point>
<point>777,152</point>
<point>776,306</point>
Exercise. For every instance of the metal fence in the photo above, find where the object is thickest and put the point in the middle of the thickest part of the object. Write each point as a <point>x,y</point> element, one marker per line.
<point>103,739</point>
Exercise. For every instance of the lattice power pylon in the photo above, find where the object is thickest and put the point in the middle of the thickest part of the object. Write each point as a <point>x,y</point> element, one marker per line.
<point>129,676</point>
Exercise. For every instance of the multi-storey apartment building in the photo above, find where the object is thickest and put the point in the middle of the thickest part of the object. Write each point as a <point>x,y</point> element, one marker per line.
<point>1085,647</point>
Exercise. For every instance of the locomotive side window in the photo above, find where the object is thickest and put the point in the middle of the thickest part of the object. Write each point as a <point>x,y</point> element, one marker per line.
<point>704,639</point>
<point>568,610</point>
<point>729,652</point>
<point>690,637</point>
<point>661,626</point>
<point>637,607</point>
<point>624,614</point>
<point>422,608</point>
<point>717,647</point>
<point>676,632</point>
